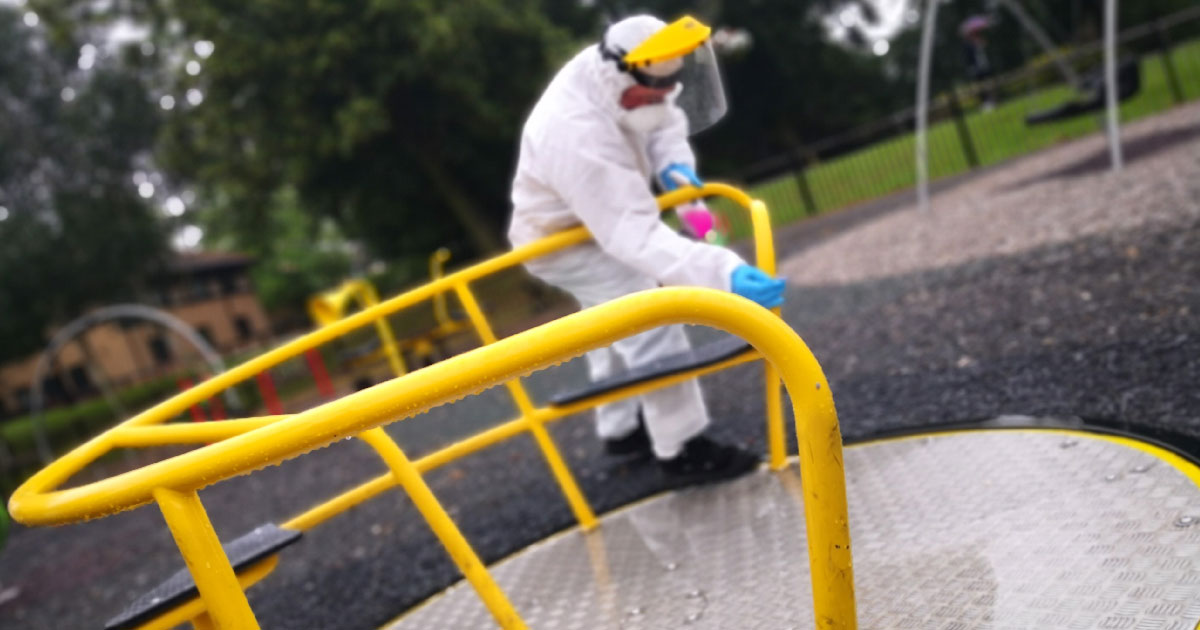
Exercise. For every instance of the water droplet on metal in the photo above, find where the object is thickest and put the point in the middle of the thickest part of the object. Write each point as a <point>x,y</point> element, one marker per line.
<point>636,611</point>
<point>670,566</point>
<point>1185,521</point>
<point>693,618</point>
<point>1068,443</point>
<point>1112,477</point>
<point>695,594</point>
<point>1141,468</point>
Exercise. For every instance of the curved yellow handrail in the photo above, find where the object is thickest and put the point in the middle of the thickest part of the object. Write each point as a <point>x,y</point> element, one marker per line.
<point>61,470</point>
<point>37,501</point>
<point>818,435</point>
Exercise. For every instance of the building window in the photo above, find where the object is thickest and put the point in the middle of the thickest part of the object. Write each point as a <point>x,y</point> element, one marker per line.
<point>244,330</point>
<point>206,332</point>
<point>199,290</point>
<point>54,391</point>
<point>24,399</point>
<point>80,379</point>
<point>229,284</point>
<point>160,350</point>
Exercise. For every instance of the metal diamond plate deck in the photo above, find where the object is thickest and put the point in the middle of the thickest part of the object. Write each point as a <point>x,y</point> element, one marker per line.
<point>990,530</point>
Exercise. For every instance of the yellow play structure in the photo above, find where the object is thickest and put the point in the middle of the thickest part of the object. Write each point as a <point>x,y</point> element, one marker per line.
<point>1035,525</point>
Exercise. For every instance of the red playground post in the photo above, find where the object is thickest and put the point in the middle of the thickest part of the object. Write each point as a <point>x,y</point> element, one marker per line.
<point>185,383</point>
<point>216,407</point>
<point>320,375</point>
<point>266,387</point>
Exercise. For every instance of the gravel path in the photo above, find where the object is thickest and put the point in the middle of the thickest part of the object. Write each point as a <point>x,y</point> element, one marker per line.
<point>1071,295</point>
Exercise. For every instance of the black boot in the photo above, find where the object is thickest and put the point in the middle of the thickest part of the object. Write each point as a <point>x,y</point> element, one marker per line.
<point>705,461</point>
<point>636,443</point>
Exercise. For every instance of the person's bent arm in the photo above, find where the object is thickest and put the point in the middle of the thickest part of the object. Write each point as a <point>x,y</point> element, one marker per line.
<point>598,177</point>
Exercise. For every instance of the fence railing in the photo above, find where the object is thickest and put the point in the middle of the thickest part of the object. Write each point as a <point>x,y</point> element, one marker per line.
<point>877,159</point>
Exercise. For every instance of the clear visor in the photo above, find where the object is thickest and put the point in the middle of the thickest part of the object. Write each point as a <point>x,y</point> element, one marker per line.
<point>702,97</point>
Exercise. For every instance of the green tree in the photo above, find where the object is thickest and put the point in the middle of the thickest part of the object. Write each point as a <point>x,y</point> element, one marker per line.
<point>73,232</point>
<point>306,254</point>
<point>397,118</point>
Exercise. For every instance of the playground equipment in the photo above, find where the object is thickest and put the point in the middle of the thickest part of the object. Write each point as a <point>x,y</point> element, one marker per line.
<point>97,317</point>
<point>1106,85</point>
<point>329,307</point>
<point>1092,93</point>
<point>1038,526</point>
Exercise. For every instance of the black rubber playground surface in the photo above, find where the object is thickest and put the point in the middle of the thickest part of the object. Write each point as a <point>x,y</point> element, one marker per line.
<point>1104,327</point>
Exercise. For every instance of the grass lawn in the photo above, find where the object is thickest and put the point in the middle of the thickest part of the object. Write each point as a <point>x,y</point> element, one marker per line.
<point>1000,134</point>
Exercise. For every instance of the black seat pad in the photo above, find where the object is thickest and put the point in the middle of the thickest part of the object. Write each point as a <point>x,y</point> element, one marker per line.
<point>243,552</point>
<point>703,356</point>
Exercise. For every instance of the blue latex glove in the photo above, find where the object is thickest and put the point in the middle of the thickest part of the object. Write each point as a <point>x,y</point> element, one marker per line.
<point>755,284</point>
<point>670,176</point>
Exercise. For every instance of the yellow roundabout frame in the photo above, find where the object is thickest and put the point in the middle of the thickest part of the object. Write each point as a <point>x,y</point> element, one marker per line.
<point>237,447</point>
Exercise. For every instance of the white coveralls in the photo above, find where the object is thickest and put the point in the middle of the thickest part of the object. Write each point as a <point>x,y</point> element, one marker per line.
<point>579,164</point>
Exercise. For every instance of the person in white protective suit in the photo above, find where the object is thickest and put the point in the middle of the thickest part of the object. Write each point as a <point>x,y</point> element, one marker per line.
<point>614,119</point>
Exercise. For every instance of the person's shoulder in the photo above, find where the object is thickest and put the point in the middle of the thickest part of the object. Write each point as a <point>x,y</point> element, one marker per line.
<point>569,122</point>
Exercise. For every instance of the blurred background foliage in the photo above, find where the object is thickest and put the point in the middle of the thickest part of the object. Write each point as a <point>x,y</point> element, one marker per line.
<point>332,137</point>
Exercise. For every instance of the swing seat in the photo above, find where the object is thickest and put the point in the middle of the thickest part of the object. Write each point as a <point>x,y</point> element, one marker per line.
<point>1129,83</point>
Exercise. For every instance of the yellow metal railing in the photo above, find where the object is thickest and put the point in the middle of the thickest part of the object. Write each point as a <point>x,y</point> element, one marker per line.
<point>330,306</point>
<point>247,444</point>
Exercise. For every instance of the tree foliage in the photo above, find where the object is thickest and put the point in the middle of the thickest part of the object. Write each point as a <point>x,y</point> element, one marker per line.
<point>397,118</point>
<point>74,233</point>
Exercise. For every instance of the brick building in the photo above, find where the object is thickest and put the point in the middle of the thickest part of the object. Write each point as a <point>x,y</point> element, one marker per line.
<point>210,291</point>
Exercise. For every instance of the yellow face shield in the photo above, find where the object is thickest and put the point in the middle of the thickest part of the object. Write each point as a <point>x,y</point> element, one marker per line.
<point>679,53</point>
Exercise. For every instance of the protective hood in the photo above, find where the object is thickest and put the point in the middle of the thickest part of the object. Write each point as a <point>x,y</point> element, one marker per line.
<point>668,63</point>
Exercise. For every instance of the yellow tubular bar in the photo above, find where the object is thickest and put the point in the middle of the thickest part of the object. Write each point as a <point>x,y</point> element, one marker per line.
<point>201,550</point>
<point>60,471</point>
<point>320,513</point>
<point>369,298</point>
<point>439,521</point>
<point>186,433</point>
<point>173,482</point>
<point>437,269</point>
<point>765,259</point>
<point>195,607</point>
<point>818,436</point>
<point>558,467</point>
<point>330,306</point>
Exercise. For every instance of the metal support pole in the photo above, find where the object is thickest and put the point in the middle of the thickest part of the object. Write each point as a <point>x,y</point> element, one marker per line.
<point>558,466</point>
<point>80,326</point>
<point>800,170</point>
<point>1110,83</point>
<point>206,560</point>
<point>443,527</point>
<point>922,145</point>
<point>1043,40</point>
<point>964,133</point>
